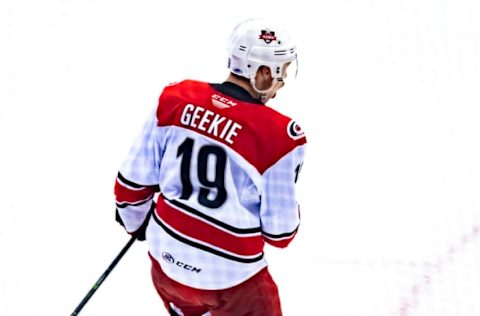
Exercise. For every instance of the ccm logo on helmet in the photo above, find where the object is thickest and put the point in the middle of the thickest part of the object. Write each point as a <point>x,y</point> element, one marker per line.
<point>268,36</point>
<point>294,130</point>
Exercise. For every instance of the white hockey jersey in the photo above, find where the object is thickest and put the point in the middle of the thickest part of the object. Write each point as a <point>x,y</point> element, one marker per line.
<point>226,168</point>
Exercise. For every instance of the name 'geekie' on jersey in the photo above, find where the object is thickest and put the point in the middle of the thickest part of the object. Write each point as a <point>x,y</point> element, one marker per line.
<point>212,123</point>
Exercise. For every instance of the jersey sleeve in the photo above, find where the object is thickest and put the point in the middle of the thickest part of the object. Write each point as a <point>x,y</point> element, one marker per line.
<point>279,210</point>
<point>138,177</point>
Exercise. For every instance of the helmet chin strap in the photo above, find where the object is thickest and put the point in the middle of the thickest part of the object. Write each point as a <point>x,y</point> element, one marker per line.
<point>263,93</point>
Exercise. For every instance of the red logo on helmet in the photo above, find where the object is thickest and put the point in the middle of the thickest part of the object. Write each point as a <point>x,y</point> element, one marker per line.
<point>268,36</point>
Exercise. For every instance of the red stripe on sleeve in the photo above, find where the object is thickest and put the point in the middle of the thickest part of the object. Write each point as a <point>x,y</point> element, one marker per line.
<point>132,196</point>
<point>279,243</point>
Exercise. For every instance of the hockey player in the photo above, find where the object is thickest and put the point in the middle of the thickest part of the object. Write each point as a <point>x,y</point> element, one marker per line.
<point>225,166</point>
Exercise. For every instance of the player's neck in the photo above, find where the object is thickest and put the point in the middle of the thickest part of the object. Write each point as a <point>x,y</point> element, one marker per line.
<point>245,84</point>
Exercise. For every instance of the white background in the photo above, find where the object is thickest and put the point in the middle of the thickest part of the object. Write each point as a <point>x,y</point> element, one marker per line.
<point>388,93</point>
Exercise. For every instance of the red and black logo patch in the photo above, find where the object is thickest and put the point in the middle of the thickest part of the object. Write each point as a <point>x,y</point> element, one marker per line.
<point>294,130</point>
<point>268,36</point>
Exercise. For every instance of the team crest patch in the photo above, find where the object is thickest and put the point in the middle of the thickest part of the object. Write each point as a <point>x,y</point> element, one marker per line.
<point>268,36</point>
<point>294,130</point>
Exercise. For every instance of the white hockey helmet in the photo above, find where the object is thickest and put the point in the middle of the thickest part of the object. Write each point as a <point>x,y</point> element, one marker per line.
<point>254,43</point>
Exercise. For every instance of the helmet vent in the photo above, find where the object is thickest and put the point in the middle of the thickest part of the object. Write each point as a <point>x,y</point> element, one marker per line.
<point>242,48</point>
<point>284,52</point>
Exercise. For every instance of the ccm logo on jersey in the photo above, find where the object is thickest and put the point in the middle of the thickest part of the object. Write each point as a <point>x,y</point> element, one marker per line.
<point>169,258</point>
<point>294,130</point>
<point>222,102</point>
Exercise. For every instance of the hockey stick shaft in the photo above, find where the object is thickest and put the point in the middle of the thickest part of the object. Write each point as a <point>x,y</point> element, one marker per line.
<point>104,276</point>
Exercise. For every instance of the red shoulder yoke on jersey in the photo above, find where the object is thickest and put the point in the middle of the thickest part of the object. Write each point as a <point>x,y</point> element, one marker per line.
<point>258,133</point>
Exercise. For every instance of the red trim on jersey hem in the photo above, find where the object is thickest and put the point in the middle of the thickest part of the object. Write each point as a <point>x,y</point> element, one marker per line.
<point>204,247</point>
<point>206,232</point>
<point>211,220</point>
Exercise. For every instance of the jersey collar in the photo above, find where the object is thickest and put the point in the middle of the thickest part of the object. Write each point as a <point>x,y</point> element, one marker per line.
<point>235,91</point>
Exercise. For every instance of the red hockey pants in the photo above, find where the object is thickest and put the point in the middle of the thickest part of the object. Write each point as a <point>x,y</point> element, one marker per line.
<point>257,296</point>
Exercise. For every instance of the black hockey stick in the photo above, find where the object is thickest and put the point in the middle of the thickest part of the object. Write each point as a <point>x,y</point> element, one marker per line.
<point>104,276</point>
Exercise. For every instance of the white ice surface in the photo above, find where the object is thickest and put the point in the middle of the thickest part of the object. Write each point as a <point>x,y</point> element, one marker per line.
<point>388,93</point>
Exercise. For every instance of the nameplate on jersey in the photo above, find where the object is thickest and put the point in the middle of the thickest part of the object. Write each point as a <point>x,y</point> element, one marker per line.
<point>209,122</point>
